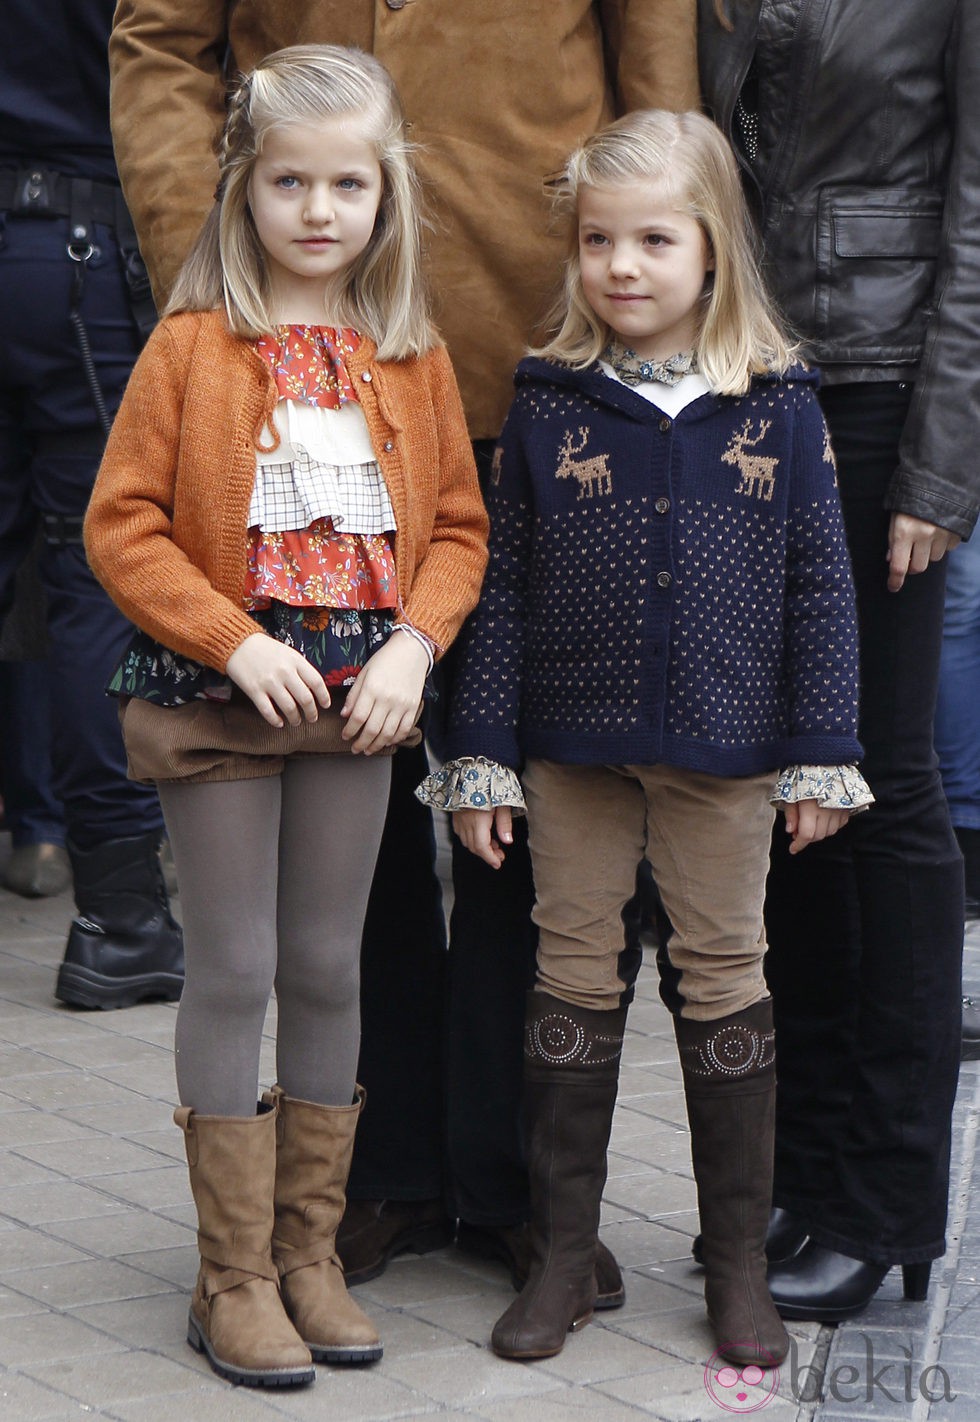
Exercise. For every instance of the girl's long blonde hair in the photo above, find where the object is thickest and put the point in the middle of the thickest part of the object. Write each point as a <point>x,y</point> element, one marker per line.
<point>383,294</point>
<point>740,334</point>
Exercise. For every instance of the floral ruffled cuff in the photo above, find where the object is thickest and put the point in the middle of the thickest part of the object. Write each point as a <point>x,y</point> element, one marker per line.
<point>472,784</point>
<point>834,787</point>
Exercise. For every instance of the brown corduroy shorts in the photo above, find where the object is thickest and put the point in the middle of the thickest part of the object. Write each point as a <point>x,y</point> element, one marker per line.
<point>213,740</point>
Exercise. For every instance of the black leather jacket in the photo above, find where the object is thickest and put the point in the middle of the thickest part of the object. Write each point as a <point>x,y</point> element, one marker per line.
<point>867,190</point>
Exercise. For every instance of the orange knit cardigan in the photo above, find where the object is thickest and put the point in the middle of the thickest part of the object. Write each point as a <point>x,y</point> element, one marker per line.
<point>165,531</point>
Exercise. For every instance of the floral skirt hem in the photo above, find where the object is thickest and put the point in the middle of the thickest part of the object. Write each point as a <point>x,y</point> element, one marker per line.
<point>338,642</point>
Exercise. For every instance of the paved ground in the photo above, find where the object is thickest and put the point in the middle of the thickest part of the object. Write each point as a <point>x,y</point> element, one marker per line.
<point>97,1257</point>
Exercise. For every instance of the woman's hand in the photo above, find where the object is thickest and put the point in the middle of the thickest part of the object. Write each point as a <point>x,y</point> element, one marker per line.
<point>383,704</point>
<point>277,679</point>
<point>807,823</point>
<point>912,545</point>
<point>475,829</point>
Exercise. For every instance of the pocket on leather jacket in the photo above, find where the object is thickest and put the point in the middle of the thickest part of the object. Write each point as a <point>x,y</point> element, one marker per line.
<point>877,252</point>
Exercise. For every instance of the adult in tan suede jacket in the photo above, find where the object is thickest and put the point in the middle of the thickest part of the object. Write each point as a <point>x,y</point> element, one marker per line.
<point>496,97</point>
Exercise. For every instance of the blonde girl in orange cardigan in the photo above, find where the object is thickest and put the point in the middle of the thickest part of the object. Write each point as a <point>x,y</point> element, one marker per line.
<point>289,513</point>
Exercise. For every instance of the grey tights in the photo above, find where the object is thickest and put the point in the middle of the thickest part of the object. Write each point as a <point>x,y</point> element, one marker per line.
<point>274,878</point>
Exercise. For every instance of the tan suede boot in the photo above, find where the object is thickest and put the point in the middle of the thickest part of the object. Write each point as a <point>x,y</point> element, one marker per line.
<point>236,1315</point>
<point>313,1155</point>
<point>730,1088</point>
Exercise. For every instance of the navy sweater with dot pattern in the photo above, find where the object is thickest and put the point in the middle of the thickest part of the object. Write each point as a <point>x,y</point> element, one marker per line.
<point>661,590</point>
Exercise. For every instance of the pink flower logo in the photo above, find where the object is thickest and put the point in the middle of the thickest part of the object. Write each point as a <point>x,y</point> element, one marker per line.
<point>740,1389</point>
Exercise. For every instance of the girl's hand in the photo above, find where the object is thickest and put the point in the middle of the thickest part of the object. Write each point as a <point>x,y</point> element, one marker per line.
<point>277,679</point>
<point>383,704</point>
<point>913,544</point>
<point>475,829</point>
<point>807,822</point>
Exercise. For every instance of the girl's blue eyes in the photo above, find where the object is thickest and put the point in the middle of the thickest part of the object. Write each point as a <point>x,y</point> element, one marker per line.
<point>652,239</point>
<point>289,183</point>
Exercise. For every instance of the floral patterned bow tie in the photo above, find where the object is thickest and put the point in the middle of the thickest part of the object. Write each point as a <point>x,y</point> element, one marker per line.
<point>633,371</point>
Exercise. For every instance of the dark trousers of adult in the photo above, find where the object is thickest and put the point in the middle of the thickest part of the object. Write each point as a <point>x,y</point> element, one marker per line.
<point>865,930</point>
<point>490,967</point>
<point>399,1151</point>
<point>32,811</point>
<point>50,445</point>
<point>442,1034</point>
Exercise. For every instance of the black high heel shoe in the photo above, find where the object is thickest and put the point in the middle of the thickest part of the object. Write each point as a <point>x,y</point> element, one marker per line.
<point>785,1237</point>
<point>821,1285</point>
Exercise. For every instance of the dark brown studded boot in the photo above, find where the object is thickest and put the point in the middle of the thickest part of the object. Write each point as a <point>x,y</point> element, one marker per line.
<point>730,1086</point>
<point>571,1073</point>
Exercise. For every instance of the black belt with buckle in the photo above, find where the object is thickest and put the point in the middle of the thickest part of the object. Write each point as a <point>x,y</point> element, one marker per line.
<point>37,192</point>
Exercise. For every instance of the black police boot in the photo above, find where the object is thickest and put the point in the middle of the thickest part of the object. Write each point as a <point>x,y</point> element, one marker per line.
<point>123,945</point>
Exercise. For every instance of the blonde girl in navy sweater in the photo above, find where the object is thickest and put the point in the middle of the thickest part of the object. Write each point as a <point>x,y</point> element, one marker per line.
<point>665,646</point>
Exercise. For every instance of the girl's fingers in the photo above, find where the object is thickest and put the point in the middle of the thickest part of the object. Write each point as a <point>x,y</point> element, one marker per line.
<point>267,710</point>
<point>280,682</point>
<point>473,828</point>
<point>393,730</point>
<point>813,824</point>
<point>372,727</point>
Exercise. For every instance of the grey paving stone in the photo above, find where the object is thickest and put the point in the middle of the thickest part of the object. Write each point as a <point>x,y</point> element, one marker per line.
<point>153,1189</point>
<point>24,1247</point>
<point>62,1090</point>
<point>66,1286</point>
<point>24,1061</point>
<point>647,1294</point>
<point>665,1106</point>
<point>405,1334</point>
<point>127,1117</point>
<point>17,1169</point>
<point>61,1200</point>
<point>467,1375</point>
<point>176,1265</point>
<point>469,1319</point>
<point>16,1305</point>
<point>24,1400</point>
<point>164,1142</point>
<point>26,1127</point>
<point>412,1281</point>
<point>653,1193</point>
<point>206,1403</point>
<point>598,1354</point>
<point>682,1333</point>
<point>117,1377</point>
<point>92,1155</point>
<point>31,1028</point>
<point>353,1395</point>
<point>638,1242</point>
<point>38,1338</point>
<point>126,1234</point>
<point>579,1404</point>
<point>98,1049</point>
<point>157,1322</point>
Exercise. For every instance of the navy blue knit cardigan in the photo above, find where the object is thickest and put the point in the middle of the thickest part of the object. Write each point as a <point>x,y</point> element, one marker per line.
<point>661,590</point>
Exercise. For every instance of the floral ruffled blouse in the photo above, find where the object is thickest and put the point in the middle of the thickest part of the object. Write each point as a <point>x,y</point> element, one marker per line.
<point>475,783</point>
<point>320,559</point>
